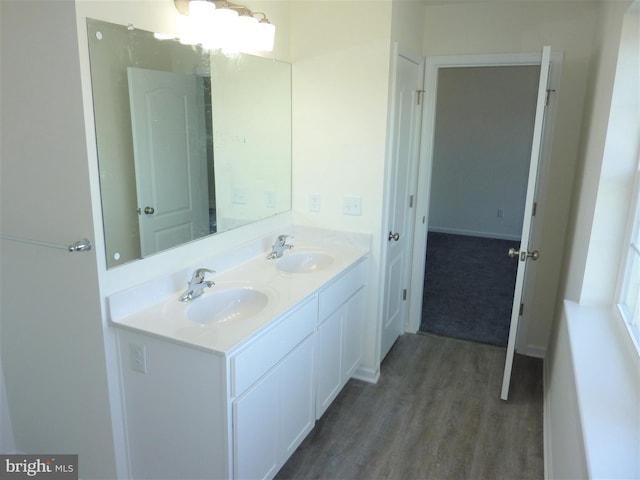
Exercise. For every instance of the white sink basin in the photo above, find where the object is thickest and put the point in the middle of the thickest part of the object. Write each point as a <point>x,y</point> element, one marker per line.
<point>227,304</point>
<point>303,262</point>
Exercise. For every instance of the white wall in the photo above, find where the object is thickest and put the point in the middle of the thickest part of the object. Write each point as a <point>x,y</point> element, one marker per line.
<point>513,27</point>
<point>608,152</point>
<point>340,91</point>
<point>482,148</point>
<point>609,149</point>
<point>7,444</point>
<point>52,346</point>
<point>407,25</point>
<point>564,456</point>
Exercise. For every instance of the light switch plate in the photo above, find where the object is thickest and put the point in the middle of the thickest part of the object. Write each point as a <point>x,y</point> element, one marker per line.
<point>352,205</point>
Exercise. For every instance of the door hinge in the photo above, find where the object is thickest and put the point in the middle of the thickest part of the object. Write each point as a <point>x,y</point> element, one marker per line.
<point>404,294</point>
<point>535,209</point>
<point>521,309</point>
<point>546,101</point>
<point>419,96</point>
<point>410,201</point>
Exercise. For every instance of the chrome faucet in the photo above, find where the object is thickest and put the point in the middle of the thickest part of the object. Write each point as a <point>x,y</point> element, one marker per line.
<point>279,246</point>
<point>197,284</point>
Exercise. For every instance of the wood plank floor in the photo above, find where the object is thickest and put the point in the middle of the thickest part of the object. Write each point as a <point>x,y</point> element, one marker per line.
<point>434,414</point>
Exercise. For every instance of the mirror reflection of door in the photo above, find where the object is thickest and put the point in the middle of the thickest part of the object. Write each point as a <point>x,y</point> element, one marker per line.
<point>482,146</point>
<point>168,123</point>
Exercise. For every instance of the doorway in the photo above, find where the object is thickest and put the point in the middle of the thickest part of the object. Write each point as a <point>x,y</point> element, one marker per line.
<point>481,152</point>
<point>433,65</point>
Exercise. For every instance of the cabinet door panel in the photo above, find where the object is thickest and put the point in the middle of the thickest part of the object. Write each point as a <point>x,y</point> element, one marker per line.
<point>352,345</point>
<point>329,360</point>
<point>297,397</point>
<point>255,429</point>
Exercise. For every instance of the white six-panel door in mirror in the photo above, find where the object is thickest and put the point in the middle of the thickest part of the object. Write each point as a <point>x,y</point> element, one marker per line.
<point>166,125</point>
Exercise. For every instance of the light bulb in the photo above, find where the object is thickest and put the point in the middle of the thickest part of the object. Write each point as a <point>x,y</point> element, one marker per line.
<point>201,15</point>
<point>201,8</point>
<point>225,15</point>
<point>185,31</point>
<point>222,29</point>
<point>245,33</point>
<point>265,36</point>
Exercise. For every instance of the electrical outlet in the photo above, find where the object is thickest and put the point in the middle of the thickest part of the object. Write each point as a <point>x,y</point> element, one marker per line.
<point>138,357</point>
<point>352,206</point>
<point>500,213</point>
<point>314,202</point>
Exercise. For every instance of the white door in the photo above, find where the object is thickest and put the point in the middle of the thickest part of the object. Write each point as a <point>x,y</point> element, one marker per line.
<point>401,185</point>
<point>524,254</point>
<point>169,156</point>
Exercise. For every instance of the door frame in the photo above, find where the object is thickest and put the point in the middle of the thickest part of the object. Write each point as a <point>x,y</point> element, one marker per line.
<point>432,65</point>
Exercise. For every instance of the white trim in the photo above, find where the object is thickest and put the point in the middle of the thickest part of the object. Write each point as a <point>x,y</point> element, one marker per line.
<point>633,221</point>
<point>547,440</point>
<point>474,233</point>
<point>634,337</point>
<point>487,60</point>
<point>535,351</point>
<point>608,391</point>
<point>368,375</point>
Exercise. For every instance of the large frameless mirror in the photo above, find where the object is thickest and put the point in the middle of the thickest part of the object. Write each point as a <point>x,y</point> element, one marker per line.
<point>190,143</point>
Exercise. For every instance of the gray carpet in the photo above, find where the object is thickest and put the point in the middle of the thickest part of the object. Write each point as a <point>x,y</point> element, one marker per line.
<point>468,290</point>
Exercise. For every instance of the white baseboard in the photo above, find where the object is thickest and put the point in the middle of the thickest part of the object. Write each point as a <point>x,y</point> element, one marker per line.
<point>474,233</point>
<point>368,375</point>
<point>535,351</point>
<point>546,424</point>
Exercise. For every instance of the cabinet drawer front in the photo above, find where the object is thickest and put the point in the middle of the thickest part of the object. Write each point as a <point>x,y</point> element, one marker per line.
<point>262,354</point>
<point>341,289</point>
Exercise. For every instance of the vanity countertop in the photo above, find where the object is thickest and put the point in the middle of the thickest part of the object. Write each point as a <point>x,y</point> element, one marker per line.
<point>167,317</point>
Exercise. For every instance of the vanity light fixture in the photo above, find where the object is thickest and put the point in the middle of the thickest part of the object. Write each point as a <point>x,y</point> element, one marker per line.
<point>218,24</point>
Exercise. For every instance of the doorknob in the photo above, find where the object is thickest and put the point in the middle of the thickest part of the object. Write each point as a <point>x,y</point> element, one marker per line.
<point>394,236</point>
<point>149,210</point>
<point>534,255</point>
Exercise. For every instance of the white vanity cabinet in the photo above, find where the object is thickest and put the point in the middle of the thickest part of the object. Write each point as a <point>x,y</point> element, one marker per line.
<point>339,338</point>
<point>198,412</point>
<point>271,416</point>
